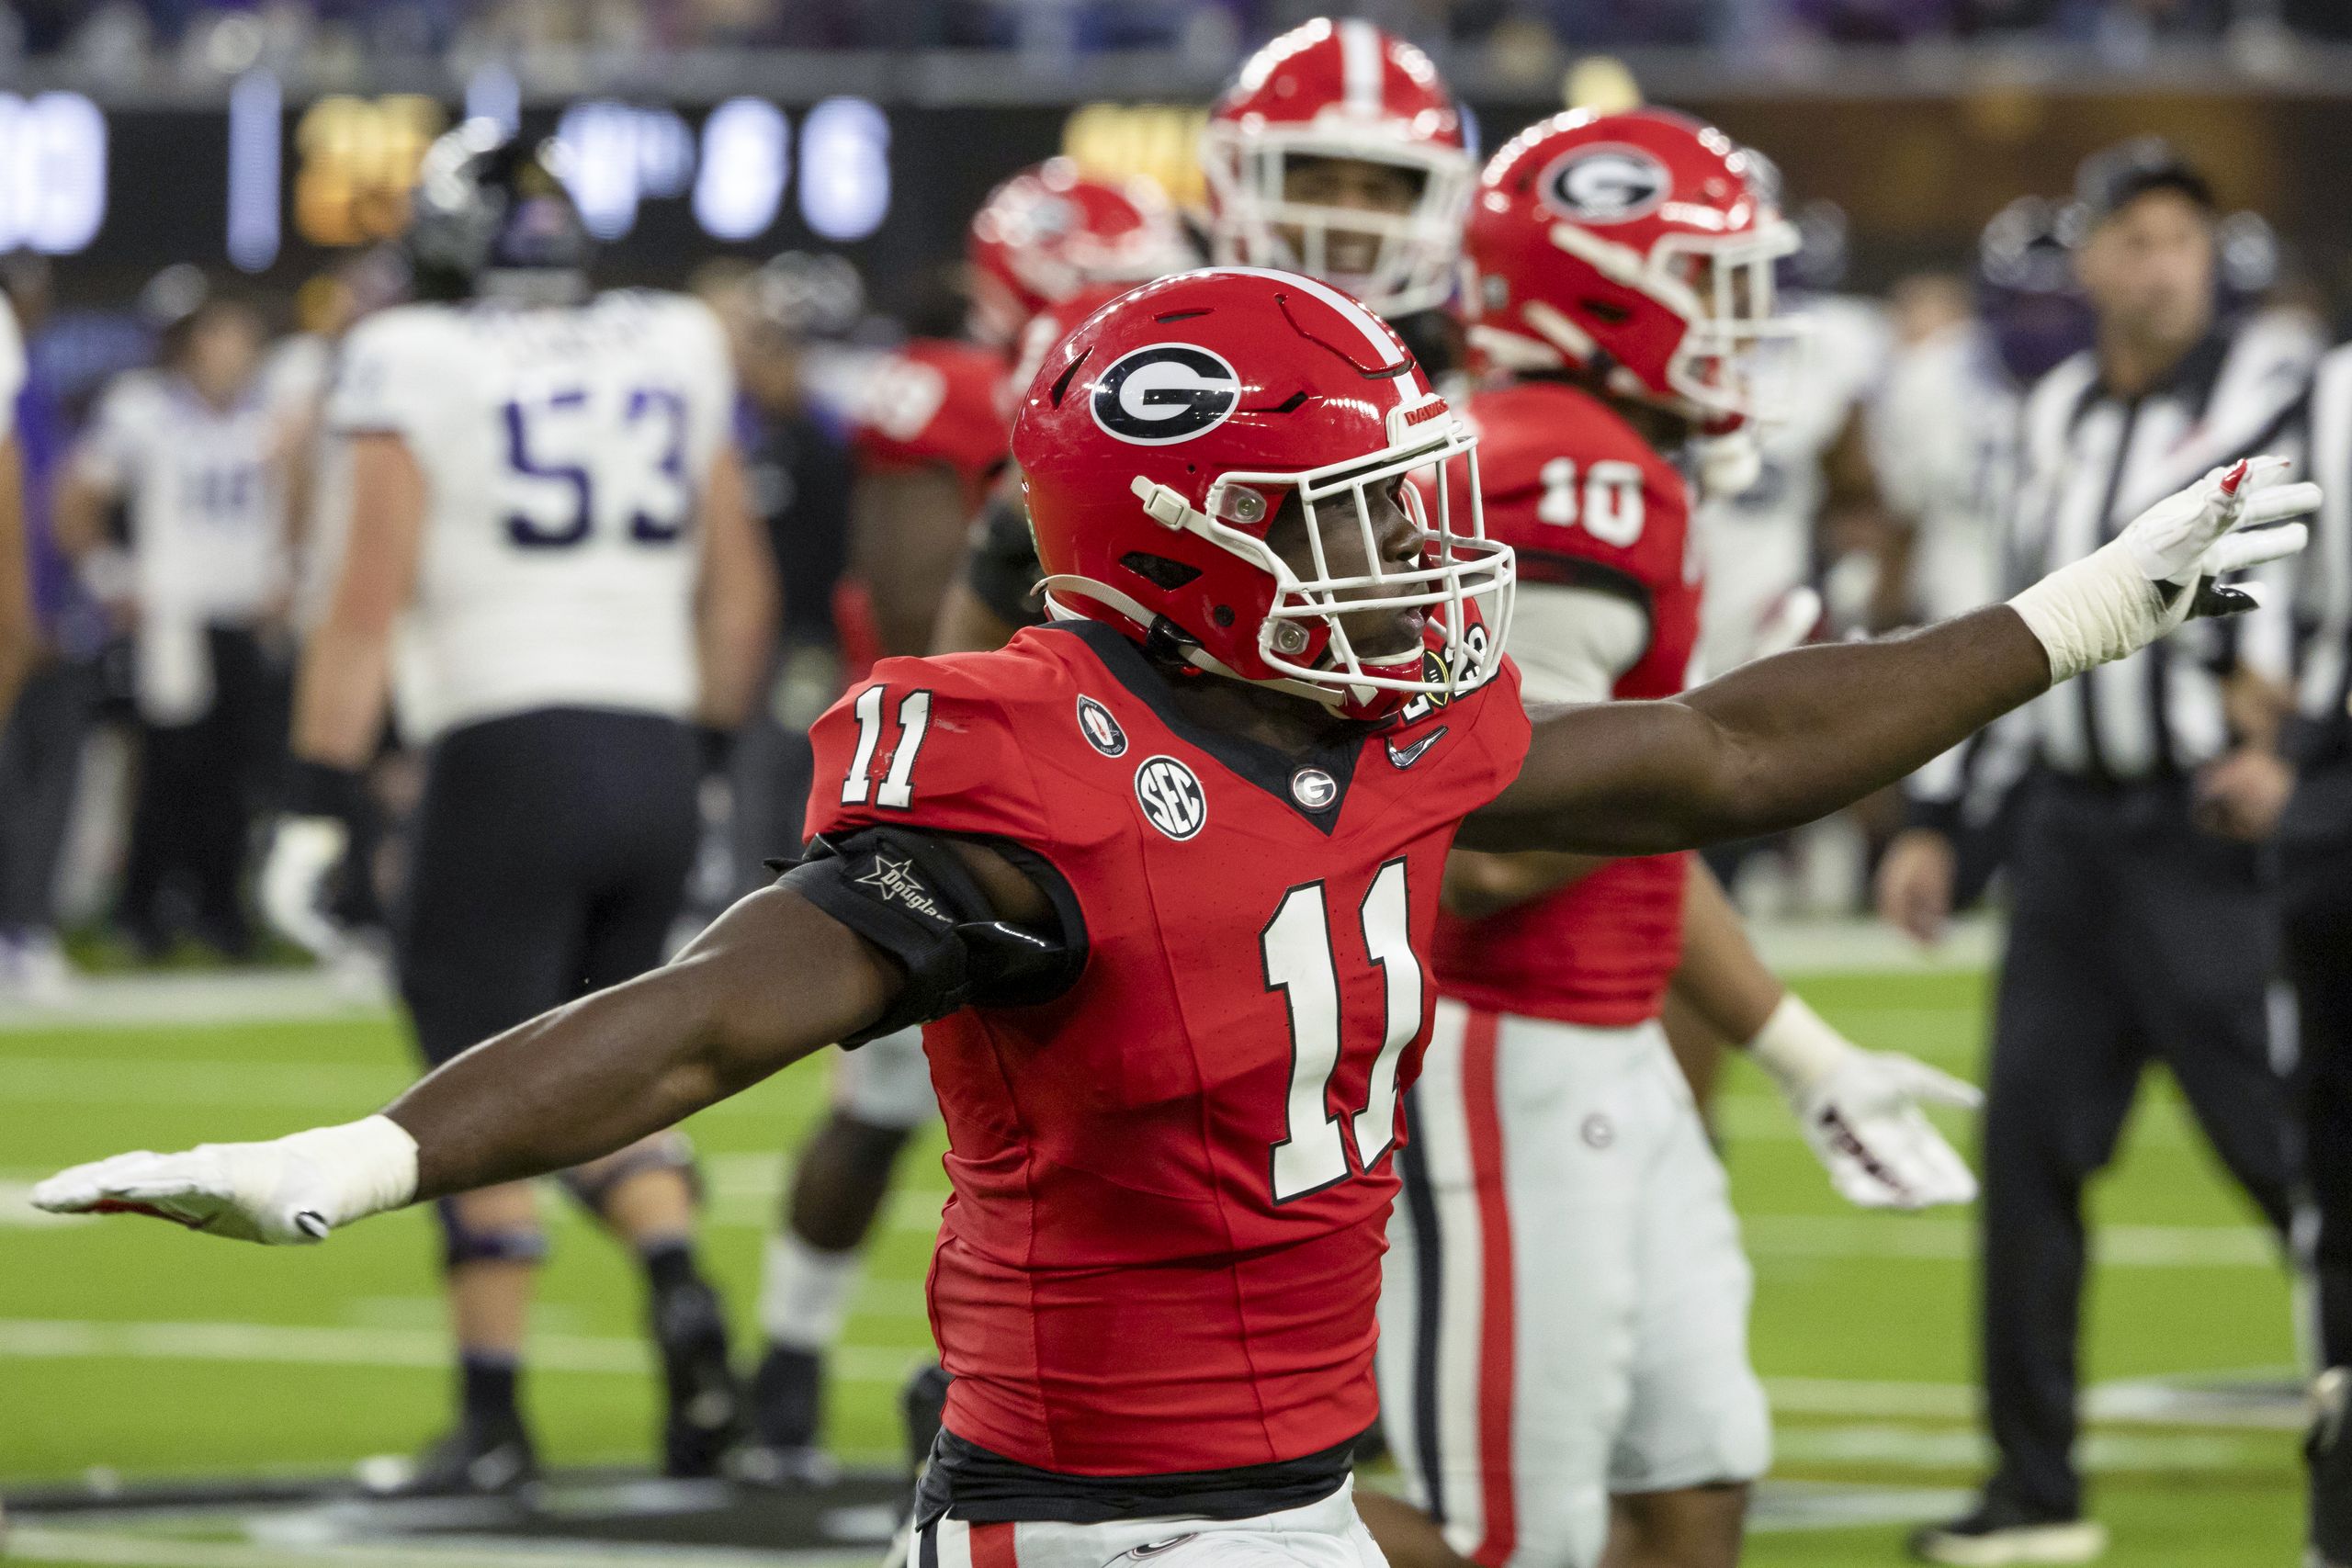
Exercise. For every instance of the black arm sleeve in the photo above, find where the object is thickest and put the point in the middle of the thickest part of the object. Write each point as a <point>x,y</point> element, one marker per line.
<point>908,894</point>
<point>1002,567</point>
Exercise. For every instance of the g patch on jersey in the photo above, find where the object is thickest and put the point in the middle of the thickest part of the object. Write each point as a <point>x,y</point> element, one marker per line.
<point>1172,797</point>
<point>1606,184</point>
<point>1165,392</point>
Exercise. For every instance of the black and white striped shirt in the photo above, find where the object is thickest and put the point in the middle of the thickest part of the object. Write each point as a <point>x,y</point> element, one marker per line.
<point>2323,685</point>
<point>2091,460</point>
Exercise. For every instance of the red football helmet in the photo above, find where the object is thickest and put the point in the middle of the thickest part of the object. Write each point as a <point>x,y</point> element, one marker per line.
<point>1341,93</point>
<point>1641,243</point>
<point>1155,447</point>
<point>1045,332</point>
<point>1049,232</point>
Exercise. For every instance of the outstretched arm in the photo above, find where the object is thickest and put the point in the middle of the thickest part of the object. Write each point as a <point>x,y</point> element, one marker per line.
<point>1772,744</point>
<point>1786,739</point>
<point>774,979</point>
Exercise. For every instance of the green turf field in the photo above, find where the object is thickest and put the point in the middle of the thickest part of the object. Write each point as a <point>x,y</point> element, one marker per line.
<point>128,1347</point>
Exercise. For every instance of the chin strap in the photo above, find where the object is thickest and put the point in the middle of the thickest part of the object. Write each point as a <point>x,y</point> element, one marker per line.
<point>1175,644</point>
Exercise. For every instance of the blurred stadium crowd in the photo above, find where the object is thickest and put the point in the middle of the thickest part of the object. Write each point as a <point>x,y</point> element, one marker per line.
<point>122,34</point>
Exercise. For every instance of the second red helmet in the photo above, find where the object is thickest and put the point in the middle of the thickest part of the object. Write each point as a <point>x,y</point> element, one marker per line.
<point>1050,231</point>
<point>1640,244</point>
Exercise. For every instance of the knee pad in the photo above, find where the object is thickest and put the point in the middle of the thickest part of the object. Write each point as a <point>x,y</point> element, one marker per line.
<point>461,1244</point>
<point>672,1150</point>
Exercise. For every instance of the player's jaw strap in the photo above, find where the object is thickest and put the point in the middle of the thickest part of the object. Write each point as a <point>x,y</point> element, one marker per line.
<point>907,891</point>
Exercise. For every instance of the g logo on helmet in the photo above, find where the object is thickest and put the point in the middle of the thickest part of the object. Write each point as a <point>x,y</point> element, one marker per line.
<point>1606,184</point>
<point>1165,393</point>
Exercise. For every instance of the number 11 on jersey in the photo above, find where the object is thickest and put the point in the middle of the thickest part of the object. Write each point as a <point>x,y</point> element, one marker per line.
<point>1302,964</point>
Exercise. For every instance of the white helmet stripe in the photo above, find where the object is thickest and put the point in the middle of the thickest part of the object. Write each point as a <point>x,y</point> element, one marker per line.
<point>1384,346</point>
<point>1359,66</point>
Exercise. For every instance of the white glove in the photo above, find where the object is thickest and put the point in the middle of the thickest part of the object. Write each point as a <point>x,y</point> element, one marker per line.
<point>1860,1113</point>
<point>2159,571</point>
<point>290,1190</point>
<point>304,852</point>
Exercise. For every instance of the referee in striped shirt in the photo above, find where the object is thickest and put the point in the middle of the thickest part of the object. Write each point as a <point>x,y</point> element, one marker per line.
<point>2309,792</point>
<point>2143,923</point>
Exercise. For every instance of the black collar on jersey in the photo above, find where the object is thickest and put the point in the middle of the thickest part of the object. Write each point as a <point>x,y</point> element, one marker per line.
<point>1267,767</point>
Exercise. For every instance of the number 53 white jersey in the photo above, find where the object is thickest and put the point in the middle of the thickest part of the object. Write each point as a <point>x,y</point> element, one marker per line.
<point>564,452</point>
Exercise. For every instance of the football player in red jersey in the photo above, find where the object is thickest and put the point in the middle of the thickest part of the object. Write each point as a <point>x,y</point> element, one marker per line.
<point>1339,152</point>
<point>1161,879</point>
<point>1566,1304</point>
<point>931,451</point>
<point>931,425</point>
<point>1336,151</point>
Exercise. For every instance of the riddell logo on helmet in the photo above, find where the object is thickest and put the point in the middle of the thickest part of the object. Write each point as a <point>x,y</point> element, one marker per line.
<point>1606,184</point>
<point>1165,393</point>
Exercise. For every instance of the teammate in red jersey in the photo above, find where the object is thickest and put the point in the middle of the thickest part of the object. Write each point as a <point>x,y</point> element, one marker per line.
<point>1160,881</point>
<point>1566,1304</point>
<point>931,424</point>
<point>932,471</point>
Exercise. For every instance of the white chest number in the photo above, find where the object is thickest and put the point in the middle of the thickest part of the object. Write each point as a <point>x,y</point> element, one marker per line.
<point>897,790</point>
<point>1608,503</point>
<point>1302,964</point>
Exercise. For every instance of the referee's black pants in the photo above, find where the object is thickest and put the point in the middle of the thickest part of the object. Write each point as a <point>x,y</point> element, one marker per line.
<point>2134,938</point>
<point>2319,960</point>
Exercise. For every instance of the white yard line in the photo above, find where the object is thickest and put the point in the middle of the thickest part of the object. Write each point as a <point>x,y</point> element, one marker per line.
<point>744,1188</point>
<point>285,1344</point>
<point>124,1549</point>
<point>229,996</point>
<point>1877,1446</point>
<point>1919,1236</point>
<point>1797,948</point>
<point>2205,1401</point>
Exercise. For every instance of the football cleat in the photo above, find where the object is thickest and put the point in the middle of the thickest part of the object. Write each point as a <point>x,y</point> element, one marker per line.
<point>788,1402</point>
<point>488,1455</point>
<point>703,1418</point>
<point>2328,1452</point>
<point>2000,1532</point>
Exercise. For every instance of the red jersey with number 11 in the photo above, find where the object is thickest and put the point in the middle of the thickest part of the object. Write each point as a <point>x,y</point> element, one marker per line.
<point>1171,1184</point>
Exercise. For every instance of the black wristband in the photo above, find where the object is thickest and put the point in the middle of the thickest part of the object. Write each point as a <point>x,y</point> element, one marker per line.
<point>319,789</point>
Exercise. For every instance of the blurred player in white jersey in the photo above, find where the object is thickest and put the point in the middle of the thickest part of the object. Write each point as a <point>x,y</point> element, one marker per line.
<point>1761,543</point>
<point>192,455</point>
<point>552,564</point>
<point>17,639</point>
<point>1944,433</point>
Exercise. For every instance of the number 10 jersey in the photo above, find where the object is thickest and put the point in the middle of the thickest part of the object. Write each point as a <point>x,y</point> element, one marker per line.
<point>1172,1184</point>
<point>564,452</point>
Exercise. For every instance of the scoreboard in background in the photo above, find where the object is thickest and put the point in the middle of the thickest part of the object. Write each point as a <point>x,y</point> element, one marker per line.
<point>278,188</point>
<point>270,186</point>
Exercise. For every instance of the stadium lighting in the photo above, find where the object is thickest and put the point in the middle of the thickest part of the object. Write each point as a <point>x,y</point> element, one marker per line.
<point>845,168</point>
<point>254,170</point>
<point>745,147</point>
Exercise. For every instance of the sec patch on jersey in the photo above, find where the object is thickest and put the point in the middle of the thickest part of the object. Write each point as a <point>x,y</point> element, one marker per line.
<point>1172,797</point>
